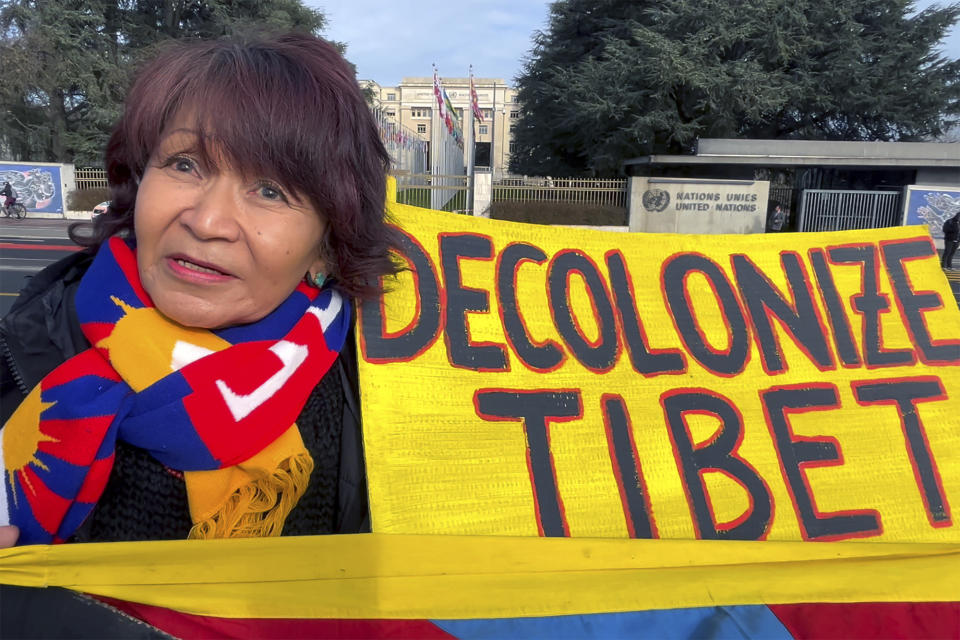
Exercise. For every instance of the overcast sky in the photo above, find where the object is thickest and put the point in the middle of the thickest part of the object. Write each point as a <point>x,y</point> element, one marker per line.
<point>391,39</point>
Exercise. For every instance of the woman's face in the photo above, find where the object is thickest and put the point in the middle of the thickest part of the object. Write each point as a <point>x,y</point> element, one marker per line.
<point>215,248</point>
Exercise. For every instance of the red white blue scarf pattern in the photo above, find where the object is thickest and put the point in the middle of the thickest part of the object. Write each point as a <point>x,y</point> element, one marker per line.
<point>161,387</point>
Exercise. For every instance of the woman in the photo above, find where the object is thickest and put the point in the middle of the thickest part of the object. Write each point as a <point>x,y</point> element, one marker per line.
<point>180,378</point>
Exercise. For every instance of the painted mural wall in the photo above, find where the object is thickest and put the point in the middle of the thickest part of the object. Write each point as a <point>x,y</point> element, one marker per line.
<point>38,186</point>
<point>931,206</point>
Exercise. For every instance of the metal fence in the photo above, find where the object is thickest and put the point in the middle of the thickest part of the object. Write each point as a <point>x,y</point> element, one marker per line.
<point>423,189</point>
<point>823,210</point>
<point>408,151</point>
<point>586,191</point>
<point>90,178</point>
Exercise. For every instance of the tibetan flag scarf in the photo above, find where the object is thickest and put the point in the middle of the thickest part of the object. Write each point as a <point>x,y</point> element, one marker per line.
<point>218,405</point>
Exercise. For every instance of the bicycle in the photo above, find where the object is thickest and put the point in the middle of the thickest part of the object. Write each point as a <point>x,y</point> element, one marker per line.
<point>16,210</point>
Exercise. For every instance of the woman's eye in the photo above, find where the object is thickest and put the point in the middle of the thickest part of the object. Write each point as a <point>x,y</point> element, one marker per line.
<point>184,165</point>
<point>270,193</point>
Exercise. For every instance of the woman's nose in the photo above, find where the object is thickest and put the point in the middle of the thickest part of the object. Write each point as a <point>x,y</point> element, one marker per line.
<point>213,213</point>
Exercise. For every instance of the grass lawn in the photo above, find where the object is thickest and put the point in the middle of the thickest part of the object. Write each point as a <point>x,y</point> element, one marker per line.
<point>420,197</point>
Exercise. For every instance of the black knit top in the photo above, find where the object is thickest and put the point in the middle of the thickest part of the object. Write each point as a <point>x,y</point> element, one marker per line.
<point>144,500</point>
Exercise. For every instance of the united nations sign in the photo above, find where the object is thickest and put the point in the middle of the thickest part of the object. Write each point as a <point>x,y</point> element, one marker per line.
<point>656,200</point>
<point>684,205</point>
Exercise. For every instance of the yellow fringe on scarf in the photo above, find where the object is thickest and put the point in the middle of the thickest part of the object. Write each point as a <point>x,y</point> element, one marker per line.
<point>260,508</point>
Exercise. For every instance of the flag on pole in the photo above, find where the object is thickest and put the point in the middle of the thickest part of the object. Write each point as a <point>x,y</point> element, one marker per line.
<point>438,92</point>
<point>448,114</point>
<point>453,120</point>
<point>474,100</point>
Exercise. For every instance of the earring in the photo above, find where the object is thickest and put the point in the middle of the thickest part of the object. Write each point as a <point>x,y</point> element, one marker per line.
<point>318,280</point>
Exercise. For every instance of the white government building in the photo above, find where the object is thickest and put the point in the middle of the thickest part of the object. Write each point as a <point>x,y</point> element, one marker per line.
<point>412,102</point>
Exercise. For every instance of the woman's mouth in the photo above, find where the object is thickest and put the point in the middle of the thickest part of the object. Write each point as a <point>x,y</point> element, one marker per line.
<point>197,271</point>
<point>196,267</point>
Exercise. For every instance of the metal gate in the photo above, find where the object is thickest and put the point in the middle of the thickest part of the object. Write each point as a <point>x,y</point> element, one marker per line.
<point>425,190</point>
<point>585,191</point>
<point>825,210</point>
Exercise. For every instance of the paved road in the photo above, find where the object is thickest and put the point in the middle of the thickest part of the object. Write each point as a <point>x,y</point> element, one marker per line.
<point>954,278</point>
<point>26,247</point>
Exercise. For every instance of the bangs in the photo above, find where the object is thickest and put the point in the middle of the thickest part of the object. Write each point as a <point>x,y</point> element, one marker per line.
<point>252,109</point>
<point>284,108</point>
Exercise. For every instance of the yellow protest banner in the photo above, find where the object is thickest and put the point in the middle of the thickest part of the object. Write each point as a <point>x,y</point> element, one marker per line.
<point>532,380</point>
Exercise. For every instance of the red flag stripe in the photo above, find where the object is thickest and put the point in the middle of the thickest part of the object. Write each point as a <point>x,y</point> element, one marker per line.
<point>184,625</point>
<point>871,620</point>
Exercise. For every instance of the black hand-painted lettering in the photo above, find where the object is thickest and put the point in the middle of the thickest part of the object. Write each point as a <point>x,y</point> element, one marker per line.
<point>719,454</point>
<point>460,300</point>
<point>800,317</point>
<point>842,336</point>
<point>870,303</point>
<point>603,355</point>
<point>626,468</point>
<point>675,271</point>
<point>796,452</point>
<point>423,330</point>
<point>905,394</point>
<point>646,361</point>
<point>540,357</point>
<point>536,410</point>
<point>912,304</point>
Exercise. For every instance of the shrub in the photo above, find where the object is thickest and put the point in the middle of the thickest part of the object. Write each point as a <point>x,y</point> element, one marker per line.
<point>559,213</point>
<point>87,199</point>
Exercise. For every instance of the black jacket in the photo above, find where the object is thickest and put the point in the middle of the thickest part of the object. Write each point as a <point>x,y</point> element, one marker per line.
<point>951,228</point>
<point>143,499</point>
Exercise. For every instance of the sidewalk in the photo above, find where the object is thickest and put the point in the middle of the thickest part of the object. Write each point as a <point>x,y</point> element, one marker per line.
<point>953,277</point>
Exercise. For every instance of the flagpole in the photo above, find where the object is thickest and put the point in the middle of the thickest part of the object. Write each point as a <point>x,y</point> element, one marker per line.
<point>436,148</point>
<point>493,133</point>
<point>468,143</point>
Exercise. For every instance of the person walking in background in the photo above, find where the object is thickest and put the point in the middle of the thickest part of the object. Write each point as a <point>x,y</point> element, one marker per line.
<point>951,238</point>
<point>776,218</point>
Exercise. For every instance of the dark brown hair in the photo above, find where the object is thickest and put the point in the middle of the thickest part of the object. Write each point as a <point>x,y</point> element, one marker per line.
<point>286,108</point>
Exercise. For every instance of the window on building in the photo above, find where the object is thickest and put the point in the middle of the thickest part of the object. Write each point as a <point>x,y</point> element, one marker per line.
<point>486,113</point>
<point>391,114</point>
<point>421,128</point>
<point>513,146</point>
<point>391,96</point>
<point>420,113</point>
<point>514,114</point>
<point>483,129</point>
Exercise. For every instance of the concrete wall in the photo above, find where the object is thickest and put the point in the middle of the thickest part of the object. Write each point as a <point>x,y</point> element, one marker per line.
<point>482,193</point>
<point>68,177</point>
<point>686,205</point>
<point>942,177</point>
<point>906,151</point>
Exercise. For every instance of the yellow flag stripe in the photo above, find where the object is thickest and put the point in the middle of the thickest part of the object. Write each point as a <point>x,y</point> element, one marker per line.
<point>431,576</point>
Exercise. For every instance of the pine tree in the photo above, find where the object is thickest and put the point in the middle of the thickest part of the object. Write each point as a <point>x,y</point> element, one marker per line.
<point>66,63</point>
<point>613,79</point>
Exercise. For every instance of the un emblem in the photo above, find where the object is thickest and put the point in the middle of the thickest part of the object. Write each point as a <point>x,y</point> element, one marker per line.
<point>655,200</point>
